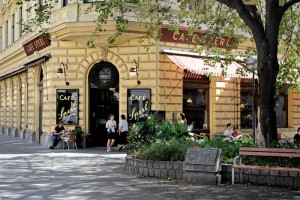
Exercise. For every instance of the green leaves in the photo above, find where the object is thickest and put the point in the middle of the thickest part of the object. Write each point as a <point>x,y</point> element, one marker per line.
<point>171,150</point>
<point>148,132</point>
<point>288,75</point>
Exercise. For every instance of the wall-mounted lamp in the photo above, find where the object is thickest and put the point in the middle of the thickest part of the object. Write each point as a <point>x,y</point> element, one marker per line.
<point>134,70</point>
<point>189,100</point>
<point>113,89</point>
<point>61,71</point>
<point>242,105</point>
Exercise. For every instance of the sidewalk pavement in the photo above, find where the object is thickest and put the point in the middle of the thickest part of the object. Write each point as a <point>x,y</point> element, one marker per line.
<point>30,171</point>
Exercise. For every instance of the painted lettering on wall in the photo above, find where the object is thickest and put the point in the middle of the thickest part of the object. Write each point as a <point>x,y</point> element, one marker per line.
<point>187,38</point>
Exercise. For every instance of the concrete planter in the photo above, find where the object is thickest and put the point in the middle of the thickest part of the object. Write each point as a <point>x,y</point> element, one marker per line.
<point>169,169</point>
<point>262,177</point>
<point>153,168</point>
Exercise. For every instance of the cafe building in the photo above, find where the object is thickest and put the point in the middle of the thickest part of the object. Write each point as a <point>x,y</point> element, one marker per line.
<point>44,80</point>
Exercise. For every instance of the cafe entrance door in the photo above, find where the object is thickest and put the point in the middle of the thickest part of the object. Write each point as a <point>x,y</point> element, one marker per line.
<point>104,100</point>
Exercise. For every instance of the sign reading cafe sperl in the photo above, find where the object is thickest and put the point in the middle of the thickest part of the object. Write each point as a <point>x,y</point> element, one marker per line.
<point>37,44</point>
<point>138,104</point>
<point>67,106</point>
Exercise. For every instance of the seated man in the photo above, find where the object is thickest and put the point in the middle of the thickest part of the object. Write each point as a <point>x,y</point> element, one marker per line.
<point>297,136</point>
<point>55,137</point>
<point>228,132</point>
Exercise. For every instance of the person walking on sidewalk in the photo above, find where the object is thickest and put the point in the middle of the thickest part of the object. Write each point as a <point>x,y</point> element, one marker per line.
<point>111,126</point>
<point>123,132</point>
<point>55,136</point>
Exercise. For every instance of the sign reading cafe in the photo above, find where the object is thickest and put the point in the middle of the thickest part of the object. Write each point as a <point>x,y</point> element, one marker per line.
<point>138,104</point>
<point>67,106</point>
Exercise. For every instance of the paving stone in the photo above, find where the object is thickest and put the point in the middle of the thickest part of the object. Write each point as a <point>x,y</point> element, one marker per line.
<point>293,174</point>
<point>171,173</point>
<point>279,181</point>
<point>253,178</point>
<point>149,164</point>
<point>169,165</point>
<point>274,173</point>
<point>162,164</point>
<point>151,172</point>
<point>157,172</point>
<point>283,173</point>
<point>264,172</point>
<point>146,172</point>
<point>179,173</point>
<point>155,164</point>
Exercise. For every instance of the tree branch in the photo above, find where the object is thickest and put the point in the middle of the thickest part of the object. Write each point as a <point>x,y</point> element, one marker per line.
<point>287,5</point>
<point>249,14</point>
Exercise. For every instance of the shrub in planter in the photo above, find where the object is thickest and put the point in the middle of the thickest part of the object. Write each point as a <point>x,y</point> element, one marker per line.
<point>147,132</point>
<point>142,133</point>
<point>230,148</point>
<point>172,150</point>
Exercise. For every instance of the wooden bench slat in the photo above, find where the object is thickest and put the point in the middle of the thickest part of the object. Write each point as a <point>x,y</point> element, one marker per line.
<point>271,154</point>
<point>251,149</point>
<point>266,168</point>
<point>264,152</point>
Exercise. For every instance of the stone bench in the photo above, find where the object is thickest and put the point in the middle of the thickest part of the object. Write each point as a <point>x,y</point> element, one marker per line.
<point>30,136</point>
<point>22,134</point>
<point>45,141</point>
<point>202,166</point>
<point>7,130</point>
<point>14,132</point>
<point>1,129</point>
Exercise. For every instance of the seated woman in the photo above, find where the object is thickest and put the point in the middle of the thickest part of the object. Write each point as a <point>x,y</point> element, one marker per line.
<point>55,137</point>
<point>235,132</point>
<point>183,118</point>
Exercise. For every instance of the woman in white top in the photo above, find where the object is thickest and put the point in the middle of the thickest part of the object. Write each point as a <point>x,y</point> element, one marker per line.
<point>111,126</point>
<point>123,132</point>
<point>183,118</point>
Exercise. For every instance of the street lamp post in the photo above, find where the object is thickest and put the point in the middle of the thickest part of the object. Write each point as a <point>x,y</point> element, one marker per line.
<point>252,65</point>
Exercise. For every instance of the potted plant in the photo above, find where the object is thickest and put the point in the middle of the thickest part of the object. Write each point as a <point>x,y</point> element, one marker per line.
<point>77,129</point>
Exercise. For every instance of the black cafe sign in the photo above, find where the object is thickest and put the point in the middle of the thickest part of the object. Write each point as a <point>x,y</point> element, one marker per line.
<point>138,104</point>
<point>67,106</point>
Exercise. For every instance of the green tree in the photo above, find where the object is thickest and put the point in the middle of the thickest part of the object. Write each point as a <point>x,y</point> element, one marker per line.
<point>272,26</point>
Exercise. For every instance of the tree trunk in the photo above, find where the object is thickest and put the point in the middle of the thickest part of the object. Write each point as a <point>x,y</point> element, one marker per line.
<point>266,102</point>
<point>260,140</point>
<point>268,67</point>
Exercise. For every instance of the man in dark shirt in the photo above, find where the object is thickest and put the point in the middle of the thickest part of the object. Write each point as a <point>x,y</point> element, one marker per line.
<point>297,136</point>
<point>55,137</point>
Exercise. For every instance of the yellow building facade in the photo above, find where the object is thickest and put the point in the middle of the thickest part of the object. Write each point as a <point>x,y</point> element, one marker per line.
<point>31,90</point>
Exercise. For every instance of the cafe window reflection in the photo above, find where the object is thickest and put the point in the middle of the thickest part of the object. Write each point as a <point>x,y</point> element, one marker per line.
<point>246,106</point>
<point>281,110</point>
<point>195,106</point>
